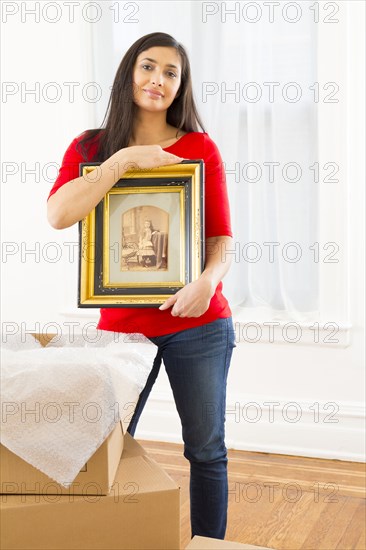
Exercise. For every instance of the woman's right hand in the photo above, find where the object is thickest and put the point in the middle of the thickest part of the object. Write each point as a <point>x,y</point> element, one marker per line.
<point>142,157</point>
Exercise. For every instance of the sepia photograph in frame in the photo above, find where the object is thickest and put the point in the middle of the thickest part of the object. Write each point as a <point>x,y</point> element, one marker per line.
<point>145,239</point>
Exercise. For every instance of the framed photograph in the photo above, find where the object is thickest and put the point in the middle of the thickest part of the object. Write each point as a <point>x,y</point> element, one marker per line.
<point>145,239</point>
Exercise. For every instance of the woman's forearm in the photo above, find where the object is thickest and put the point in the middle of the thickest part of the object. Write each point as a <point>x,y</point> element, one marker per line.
<point>218,259</point>
<point>76,198</point>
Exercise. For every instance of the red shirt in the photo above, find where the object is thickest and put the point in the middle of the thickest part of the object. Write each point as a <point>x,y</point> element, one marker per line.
<point>152,321</point>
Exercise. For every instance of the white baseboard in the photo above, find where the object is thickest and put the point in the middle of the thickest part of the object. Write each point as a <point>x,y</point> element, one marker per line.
<point>323,430</point>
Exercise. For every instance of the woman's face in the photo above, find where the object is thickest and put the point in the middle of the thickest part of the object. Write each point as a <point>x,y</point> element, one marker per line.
<point>157,69</point>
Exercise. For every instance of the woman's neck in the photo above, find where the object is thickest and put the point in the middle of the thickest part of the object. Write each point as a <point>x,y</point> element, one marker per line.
<point>151,129</point>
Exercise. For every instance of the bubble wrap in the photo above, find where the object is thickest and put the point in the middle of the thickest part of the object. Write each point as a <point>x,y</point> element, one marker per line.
<point>60,403</point>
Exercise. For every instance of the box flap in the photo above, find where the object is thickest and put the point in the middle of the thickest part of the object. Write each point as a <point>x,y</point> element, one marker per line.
<point>43,339</point>
<point>131,447</point>
<point>205,543</point>
<point>144,474</point>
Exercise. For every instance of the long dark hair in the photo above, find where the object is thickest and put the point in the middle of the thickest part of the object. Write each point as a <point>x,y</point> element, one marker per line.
<point>119,117</point>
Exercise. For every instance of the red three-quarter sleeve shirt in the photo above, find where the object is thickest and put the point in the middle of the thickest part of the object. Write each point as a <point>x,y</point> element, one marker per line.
<point>152,321</point>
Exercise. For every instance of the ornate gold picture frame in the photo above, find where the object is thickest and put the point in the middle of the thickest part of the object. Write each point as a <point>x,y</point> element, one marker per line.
<point>145,239</point>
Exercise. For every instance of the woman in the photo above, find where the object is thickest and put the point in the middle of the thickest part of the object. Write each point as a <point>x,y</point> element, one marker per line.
<point>153,121</point>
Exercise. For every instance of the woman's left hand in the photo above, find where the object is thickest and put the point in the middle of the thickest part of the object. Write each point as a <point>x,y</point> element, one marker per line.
<point>192,300</point>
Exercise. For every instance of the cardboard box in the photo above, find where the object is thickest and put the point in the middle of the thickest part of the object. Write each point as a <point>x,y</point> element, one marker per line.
<point>141,512</point>
<point>204,543</point>
<point>96,477</point>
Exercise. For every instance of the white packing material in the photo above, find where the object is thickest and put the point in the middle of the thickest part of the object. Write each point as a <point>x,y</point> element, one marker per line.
<point>60,403</point>
<point>19,341</point>
<point>93,337</point>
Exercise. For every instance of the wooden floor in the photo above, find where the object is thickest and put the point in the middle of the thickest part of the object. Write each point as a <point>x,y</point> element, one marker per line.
<point>281,501</point>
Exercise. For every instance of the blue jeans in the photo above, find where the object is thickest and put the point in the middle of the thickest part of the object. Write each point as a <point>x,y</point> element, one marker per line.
<point>197,362</point>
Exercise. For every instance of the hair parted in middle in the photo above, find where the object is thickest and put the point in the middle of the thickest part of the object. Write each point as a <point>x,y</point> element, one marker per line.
<point>116,129</point>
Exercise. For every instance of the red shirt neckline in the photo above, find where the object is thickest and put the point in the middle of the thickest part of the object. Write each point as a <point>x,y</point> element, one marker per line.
<point>178,140</point>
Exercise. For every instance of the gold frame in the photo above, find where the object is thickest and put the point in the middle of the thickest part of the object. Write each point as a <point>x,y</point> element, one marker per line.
<point>185,178</point>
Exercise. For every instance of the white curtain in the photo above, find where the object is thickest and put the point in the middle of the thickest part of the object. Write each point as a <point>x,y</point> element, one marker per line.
<point>252,86</point>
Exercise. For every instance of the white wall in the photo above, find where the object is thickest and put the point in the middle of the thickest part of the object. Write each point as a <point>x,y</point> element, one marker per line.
<point>324,377</point>
<point>36,132</point>
<point>316,385</point>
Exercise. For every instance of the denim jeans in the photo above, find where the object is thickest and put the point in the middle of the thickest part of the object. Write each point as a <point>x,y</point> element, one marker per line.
<point>197,362</point>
